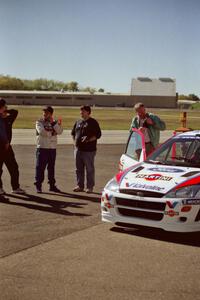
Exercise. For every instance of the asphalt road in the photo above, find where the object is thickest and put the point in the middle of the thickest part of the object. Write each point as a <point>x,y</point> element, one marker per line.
<point>27,137</point>
<point>54,246</point>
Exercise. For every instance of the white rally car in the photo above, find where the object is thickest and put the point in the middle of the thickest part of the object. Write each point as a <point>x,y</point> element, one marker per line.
<point>163,191</point>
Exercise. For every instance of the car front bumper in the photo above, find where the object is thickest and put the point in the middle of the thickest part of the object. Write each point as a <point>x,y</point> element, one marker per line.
<point>163,213</point>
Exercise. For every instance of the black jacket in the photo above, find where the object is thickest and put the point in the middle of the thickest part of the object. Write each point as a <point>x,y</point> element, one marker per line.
<point>3,135</point>
<point>86,129</point>
<point>9,120</point>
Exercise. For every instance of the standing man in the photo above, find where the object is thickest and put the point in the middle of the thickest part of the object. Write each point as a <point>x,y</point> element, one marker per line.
<point>47,130</point>
<point>4,143</point>
<point>85,134</point>
<point>9,116</point>
<point>149,124</point>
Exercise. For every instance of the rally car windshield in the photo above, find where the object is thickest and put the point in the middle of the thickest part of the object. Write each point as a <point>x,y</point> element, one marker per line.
<point>180,151</point>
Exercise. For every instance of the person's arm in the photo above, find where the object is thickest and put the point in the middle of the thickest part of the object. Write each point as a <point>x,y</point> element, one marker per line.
<point>134,124</point>
<point>157,122</point>
<point>41,130</point>
<point>98,130</point>
<point>12,115</point>
<point>58,128</point>
<point>95,132</point>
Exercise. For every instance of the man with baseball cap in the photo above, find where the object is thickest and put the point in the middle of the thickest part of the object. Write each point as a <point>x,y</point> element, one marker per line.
<point>47,130</point>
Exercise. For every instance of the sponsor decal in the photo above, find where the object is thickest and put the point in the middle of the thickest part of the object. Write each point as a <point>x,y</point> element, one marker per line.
<point>146,187</point>
<point>108,196</point>
<point>172,204</point>
<point>105,199</point>
<point>108,205</point>
<point>171,213</point>
<point>186,208</point>
<point>151,177</point>
<point>166,170</point>
<point>191,202</point>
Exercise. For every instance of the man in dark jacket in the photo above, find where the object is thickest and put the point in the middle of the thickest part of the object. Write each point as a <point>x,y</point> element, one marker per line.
<point>85,134</point>
<point>4,143</point>
<point>9,160</point>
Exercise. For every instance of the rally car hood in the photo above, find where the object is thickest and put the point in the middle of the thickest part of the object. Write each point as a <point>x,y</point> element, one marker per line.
<point>156,178</point>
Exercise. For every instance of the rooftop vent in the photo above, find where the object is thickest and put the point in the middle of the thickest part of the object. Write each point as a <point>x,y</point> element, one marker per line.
<point>166,79</point>
<point>146,79</point>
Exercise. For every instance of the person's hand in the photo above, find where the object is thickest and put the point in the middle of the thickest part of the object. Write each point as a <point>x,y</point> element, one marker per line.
<point>59,120</point>
<point>149,121</point>
<point>142,129</point>
<point>84,139</point>
<point>51,119</point>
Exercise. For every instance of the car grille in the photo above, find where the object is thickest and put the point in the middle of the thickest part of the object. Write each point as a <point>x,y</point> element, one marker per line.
<point>141,204</point>
<point>140,214</point>
<point>143,209</point>
<point>142,193</point>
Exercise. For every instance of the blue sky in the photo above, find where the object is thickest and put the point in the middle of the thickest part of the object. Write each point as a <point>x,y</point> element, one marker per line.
<point>102,44</point>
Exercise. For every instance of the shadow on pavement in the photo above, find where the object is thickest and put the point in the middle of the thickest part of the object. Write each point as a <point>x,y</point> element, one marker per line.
<point>190,239</point>
<point>53,206</point>
<point>78,196</point>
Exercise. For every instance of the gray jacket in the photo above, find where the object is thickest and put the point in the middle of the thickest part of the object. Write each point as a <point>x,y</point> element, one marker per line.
<point>46,134</point>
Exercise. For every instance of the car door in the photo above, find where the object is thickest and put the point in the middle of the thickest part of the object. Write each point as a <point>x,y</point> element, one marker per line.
<point>134,151</point>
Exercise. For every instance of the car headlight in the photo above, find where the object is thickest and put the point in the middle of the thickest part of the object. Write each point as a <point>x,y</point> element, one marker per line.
<point>192,191</point>
<point>112,185</point>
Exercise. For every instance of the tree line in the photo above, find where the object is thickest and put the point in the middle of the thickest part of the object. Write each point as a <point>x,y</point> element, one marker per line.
<point>42,84</point>
<point>191,97</point>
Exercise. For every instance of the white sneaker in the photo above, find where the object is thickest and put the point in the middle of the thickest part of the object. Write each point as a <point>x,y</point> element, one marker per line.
<point>18,191</point>
<point>2,192</point>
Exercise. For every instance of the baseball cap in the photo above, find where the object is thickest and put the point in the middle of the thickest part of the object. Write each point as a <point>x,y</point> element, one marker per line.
<point>48,108</point>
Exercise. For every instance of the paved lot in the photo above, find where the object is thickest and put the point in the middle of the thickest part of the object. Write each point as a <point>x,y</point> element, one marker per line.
<point>54,246</point>
<point>27,137</point>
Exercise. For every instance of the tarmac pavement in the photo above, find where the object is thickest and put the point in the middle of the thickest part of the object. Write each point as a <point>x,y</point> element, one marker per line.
<point>102,263</point>
<point>54,246</point>
<point>27,137</point>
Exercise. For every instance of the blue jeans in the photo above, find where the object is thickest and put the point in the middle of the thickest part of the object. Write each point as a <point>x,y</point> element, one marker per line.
<point>85,162</point>
<point>45,158</point>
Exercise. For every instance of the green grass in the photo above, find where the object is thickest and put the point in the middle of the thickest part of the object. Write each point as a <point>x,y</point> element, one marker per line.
<point>196,105</point>
<point>108,118</point>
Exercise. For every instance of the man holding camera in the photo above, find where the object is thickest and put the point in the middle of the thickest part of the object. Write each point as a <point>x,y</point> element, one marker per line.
<point>85,134</point>
<point>47,130</point>
<point>149,124</point>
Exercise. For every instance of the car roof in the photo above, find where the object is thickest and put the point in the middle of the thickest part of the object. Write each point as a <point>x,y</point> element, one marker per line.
<point>193,133</point>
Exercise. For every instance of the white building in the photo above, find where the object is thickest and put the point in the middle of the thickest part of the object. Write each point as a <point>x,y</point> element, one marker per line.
<point>145,86</point>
